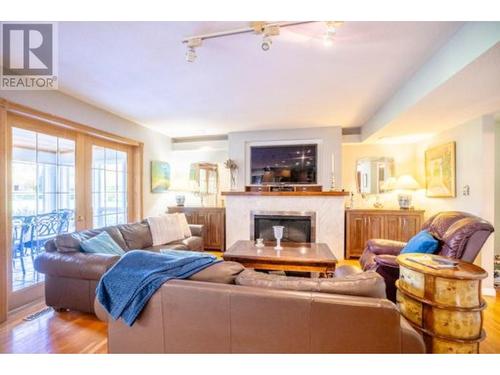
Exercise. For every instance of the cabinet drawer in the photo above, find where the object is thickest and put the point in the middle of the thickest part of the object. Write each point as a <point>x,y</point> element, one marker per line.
<point>308,188</point>
<point>257,188</point>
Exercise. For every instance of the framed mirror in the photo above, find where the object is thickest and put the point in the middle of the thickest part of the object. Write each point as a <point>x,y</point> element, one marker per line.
<point>373,174</point>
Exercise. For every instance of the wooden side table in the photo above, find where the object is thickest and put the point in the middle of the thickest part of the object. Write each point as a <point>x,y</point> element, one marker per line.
<point>445,305</point>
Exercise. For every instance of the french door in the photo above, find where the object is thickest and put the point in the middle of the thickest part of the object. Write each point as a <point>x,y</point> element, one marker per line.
<point>111,183</point>
<point>42,202</point>
<point>60,181</point>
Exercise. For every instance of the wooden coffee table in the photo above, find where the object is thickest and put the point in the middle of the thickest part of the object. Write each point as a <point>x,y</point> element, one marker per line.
<point>303,257</point>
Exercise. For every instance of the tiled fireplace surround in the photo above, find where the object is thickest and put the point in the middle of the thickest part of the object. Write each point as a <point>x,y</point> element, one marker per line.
<point>329,216</point>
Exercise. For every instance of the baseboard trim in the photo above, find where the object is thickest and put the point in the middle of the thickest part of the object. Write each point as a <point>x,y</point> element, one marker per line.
<point>489,291</point>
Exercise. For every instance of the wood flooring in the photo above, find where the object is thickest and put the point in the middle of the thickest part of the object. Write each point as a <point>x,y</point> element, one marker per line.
<point>73,332</point>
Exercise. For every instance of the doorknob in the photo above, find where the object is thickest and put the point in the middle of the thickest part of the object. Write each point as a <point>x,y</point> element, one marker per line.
<point>80,218</point>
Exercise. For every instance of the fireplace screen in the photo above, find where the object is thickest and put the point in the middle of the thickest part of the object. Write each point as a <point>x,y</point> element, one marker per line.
<point>298,228</point>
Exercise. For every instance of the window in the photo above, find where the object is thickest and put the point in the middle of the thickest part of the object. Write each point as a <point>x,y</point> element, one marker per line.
<point>43,198</point>
<point>109,187</point>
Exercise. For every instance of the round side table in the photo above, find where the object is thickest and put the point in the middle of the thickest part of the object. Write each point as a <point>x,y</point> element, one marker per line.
<point>445,305</point>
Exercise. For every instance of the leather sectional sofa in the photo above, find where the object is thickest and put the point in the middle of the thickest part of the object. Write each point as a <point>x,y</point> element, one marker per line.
<point>209,313</point>
<point>71,276</point>
<point>187,316</point>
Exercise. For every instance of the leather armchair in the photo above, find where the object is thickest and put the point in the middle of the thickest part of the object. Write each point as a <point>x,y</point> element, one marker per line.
<point>461,236</point>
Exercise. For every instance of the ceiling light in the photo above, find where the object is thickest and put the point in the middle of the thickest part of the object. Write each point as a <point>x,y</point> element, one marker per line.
<point>266,43</point>
<point>331,30</point>
<point>191,51</point>
<point>268,31</point>
<point>190,54</point>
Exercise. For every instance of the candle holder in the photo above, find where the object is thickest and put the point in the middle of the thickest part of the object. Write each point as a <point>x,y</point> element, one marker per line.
<point>278,234</point>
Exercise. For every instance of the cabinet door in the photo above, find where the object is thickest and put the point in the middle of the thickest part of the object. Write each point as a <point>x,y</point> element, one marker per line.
<point>374,227</point>
<point>193,217</point>
<point>402,227</point>
<point>215,228</point>
<point>356,237</point>
<point>392,229</point>
<point>409,226</point>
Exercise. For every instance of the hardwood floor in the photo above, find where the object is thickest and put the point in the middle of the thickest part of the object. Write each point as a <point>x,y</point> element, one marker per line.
<point>52,332</point>
<point>73,332</point>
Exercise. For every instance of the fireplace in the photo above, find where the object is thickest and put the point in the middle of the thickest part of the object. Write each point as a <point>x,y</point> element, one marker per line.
<point>299,226</point>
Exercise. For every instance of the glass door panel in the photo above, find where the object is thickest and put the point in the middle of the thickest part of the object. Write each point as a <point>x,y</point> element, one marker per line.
<point>43,198</point>
<point>109,187</point>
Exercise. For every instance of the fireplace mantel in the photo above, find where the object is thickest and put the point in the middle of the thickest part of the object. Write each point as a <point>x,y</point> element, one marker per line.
<point>287,193</point>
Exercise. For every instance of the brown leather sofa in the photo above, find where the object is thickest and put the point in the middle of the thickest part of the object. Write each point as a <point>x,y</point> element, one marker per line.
<point>461,235</point>
<point>71,276</point>
<point>187,316</point>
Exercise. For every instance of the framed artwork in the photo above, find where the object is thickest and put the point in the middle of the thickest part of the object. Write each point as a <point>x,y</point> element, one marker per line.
<point>440,171</point>
<point>160,176</point>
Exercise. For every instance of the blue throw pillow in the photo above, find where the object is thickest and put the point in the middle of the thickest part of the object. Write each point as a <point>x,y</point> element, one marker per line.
<point>101,244</point>
<point>422,242</point>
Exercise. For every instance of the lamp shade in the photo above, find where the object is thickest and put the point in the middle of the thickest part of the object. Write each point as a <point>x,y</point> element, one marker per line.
<point>406,182</point>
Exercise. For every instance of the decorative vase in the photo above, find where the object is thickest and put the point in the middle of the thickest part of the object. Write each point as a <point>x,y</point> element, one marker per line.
<point>404,201</point>
<point>179,200</point>
<point>278,234</point>
<point>233,179</point>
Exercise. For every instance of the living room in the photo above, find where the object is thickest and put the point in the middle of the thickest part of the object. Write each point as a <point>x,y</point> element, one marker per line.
<point>317,186</point>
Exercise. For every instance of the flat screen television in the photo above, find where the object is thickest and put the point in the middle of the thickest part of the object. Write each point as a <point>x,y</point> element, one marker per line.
<point>284,164</point>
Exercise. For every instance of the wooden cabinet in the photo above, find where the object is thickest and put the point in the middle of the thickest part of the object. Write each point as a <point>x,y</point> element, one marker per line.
<point>214,220</point>
<point>362,225</point>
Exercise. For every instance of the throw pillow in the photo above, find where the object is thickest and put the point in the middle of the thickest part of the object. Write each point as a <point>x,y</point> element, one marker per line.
<point>423,242</point>
<point>136,235</point>
<point>184,225</point>
<point>165,229</point>
<point>101,244</point>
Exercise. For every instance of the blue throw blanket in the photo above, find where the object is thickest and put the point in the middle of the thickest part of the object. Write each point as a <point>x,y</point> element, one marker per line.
<point>126,287</point>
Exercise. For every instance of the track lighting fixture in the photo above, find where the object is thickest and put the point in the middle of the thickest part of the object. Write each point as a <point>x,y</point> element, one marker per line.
<point>267,30</point>
<point>191,52</point>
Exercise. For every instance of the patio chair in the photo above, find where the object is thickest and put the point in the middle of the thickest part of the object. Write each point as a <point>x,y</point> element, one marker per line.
<point>46,227</point>
<point>21,226</point>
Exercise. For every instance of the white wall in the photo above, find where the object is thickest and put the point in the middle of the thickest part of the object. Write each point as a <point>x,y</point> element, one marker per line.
<point>156,145</point>
<point>469,168</point>
<point>477,165</point>
<point>330,139</point>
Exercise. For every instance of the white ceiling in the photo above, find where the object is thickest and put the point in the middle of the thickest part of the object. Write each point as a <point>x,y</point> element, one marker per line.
<point>472,92</point>
<point>138,71</point>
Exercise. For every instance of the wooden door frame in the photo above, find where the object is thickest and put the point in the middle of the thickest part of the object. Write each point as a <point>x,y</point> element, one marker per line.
<point>4,216</point>
<point>44,122</point>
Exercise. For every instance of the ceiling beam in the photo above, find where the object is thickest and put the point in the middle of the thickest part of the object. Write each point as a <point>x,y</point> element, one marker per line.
<point>466,45</point>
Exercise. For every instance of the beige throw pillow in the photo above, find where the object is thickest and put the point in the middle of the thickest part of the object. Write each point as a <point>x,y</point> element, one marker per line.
<point>165,229</point>
<point>184,224</point>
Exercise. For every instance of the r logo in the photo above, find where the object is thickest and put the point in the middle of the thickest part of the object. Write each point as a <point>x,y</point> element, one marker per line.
<point>27,49</point>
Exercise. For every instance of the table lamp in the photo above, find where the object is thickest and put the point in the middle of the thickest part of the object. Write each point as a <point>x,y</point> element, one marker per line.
<point>406,184</point>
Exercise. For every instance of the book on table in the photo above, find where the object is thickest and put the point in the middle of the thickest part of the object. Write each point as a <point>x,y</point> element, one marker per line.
<point>435,262</point>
